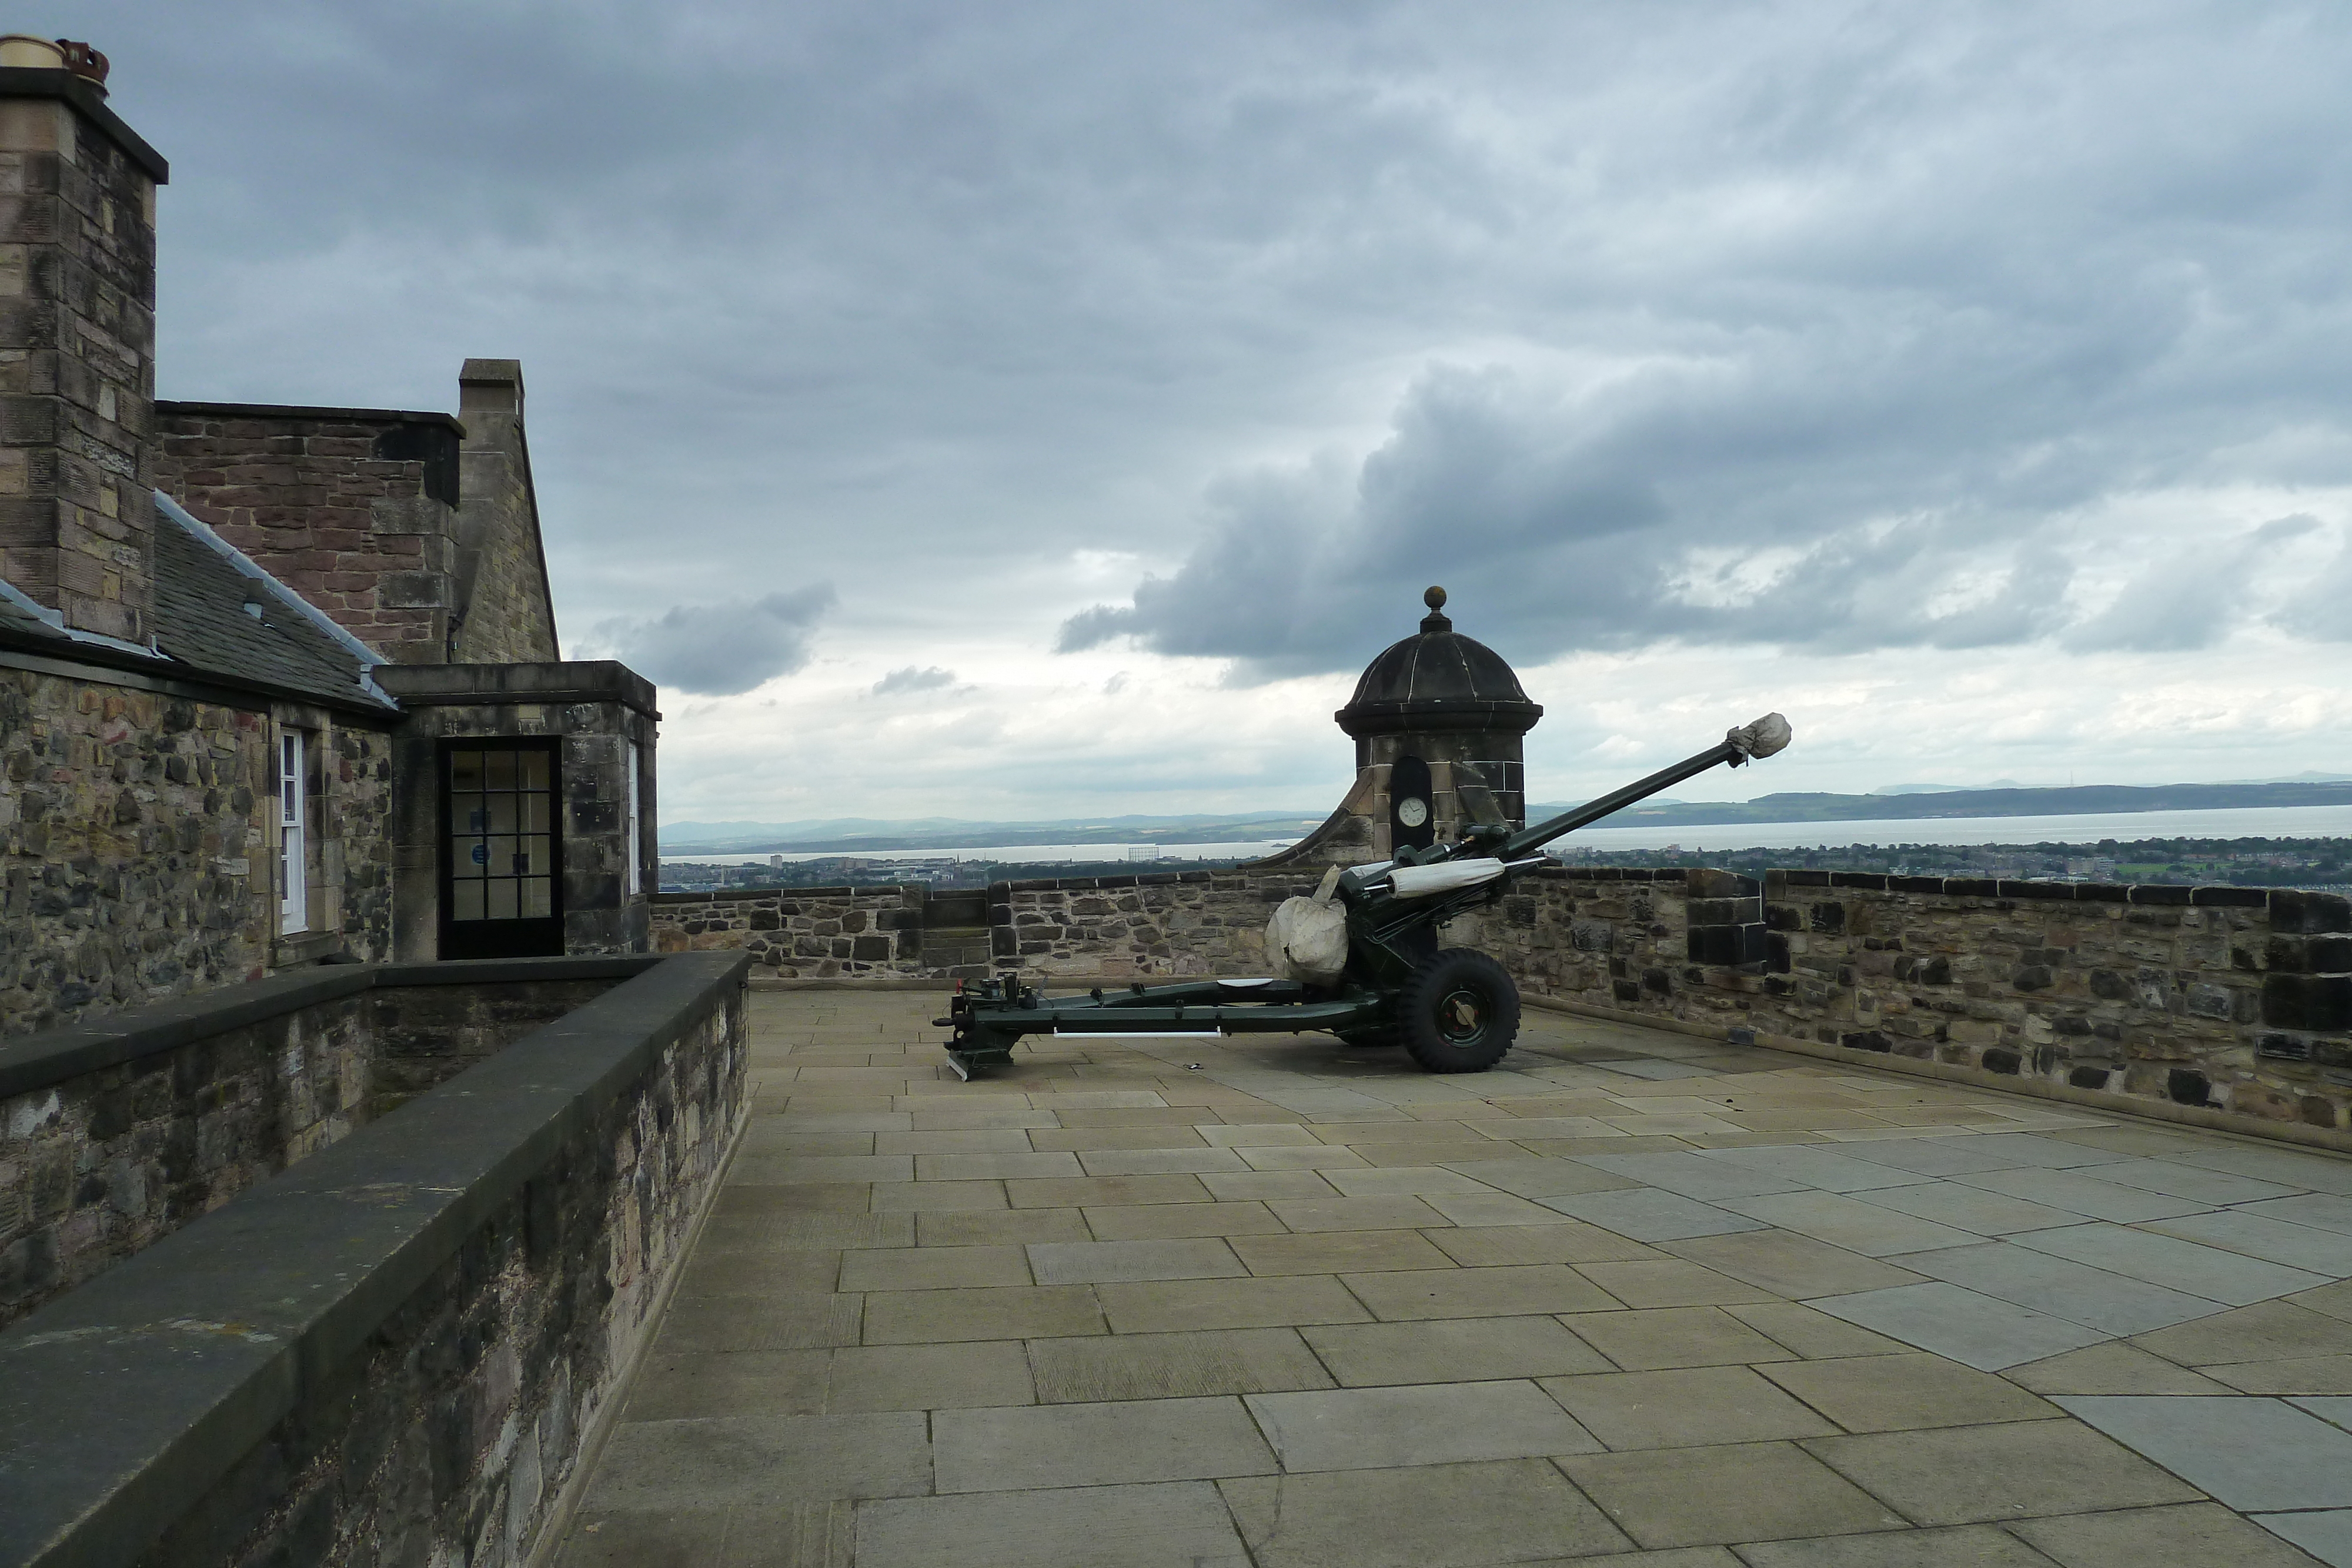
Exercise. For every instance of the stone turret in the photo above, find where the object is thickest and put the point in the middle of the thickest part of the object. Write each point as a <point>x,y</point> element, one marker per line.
<point>1440,724</point>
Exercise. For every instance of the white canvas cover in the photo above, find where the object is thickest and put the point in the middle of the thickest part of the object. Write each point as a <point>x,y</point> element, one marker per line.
<point>1308,938</point>
<point>1421,881</point>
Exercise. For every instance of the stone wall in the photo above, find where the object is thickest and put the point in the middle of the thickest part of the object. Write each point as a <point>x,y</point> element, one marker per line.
<point>393,1352</point>
<point>2234,999</point>
<point>354,509</point>
<point>1187,923</point>
<point>1169,923</point>
<point>131,847</point>
<point>802,933</point>
<point>138,850</point>
<point>199,1101</point>
<point>504,615</point>
<point>77,353</point>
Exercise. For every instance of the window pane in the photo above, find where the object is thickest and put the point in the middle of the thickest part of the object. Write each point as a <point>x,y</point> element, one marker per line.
<point>535,813</point>
<point>469,857</point>
<point>465,771</point>
<point>468,814</point>
<point>502,903</point>
<point>534,857</point>
<point>537,898</point>
<point>501,767</point>
<point>532,772</point>
<point>466,901</point>
<point>502,813</point>
<point>501,856</point>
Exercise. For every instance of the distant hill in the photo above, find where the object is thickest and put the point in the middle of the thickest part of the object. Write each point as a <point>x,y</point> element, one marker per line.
<point>854,835</point>
<point>2087,799</point>
<point>851,835</point>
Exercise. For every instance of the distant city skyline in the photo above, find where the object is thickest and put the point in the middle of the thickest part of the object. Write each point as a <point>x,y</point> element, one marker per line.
<point>1048,409</point>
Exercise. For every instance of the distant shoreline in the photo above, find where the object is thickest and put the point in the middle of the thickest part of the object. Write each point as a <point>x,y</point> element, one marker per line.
<point>1775,811</point>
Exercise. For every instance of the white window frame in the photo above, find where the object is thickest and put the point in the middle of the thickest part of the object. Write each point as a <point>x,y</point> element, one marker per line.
<point>633,836</point>
<point>293,834</point>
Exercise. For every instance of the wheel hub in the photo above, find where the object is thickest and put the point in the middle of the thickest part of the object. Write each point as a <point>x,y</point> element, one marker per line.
<point>1461,1015</point>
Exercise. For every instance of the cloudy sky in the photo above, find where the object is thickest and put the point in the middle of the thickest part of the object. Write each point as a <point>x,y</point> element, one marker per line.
<point>1046,408</point>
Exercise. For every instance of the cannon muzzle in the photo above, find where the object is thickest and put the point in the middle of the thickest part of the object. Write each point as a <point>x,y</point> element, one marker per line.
<point>1763,738</point>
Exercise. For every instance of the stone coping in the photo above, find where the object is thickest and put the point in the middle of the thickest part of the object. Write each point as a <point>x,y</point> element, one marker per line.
<point>124,1402</point>
<point>89,100</point>
<point>34,1062</point>
<point>738,894</point>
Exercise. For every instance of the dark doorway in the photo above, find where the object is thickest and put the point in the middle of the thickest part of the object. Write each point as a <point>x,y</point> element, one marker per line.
<point>501,852</point>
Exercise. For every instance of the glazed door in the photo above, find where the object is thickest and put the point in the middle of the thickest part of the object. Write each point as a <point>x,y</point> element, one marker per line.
<point>501,851</point>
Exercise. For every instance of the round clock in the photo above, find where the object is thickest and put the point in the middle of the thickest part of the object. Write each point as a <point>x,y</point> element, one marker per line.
<point>1412,811</point>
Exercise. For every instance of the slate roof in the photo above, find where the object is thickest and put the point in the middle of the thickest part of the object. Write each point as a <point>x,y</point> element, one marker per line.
<point>203,590</point>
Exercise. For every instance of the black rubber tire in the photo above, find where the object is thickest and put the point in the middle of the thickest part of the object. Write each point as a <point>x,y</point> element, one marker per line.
<point>1460,1012</point>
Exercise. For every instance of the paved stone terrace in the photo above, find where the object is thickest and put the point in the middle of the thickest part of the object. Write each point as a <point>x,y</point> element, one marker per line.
<point>1636,1298</point>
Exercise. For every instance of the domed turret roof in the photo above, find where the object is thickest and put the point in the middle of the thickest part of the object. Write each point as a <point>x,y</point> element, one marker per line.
<point>1438,680</point>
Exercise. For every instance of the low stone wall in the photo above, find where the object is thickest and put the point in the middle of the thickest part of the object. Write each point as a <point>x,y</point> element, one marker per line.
<point>1189,923</point>
<point>2233,1000</point>
<point>813,933</point>
<point>393,1352</point>
<point>1167,923</point>
<point>115,1134</point>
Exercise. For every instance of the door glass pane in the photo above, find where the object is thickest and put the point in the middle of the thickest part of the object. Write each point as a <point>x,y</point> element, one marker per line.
<point>466,901</point>
<point>532,857</point>
<point>502,899</point>
<point>537,898</point>
<point>468,814</point>
<point>533,771</point>
<point>500,768</point>
<point>502,813</point>
<point>536,817</point>
<point>465,771</point>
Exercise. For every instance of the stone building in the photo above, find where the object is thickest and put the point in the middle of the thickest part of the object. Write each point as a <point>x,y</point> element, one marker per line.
<point>278,686</point>
<point>1440,724</point>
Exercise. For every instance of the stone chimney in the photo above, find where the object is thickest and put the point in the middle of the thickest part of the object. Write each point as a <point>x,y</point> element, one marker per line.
<point>76,339</point>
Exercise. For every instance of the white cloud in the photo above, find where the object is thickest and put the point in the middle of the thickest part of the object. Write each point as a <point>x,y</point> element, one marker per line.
<point>1936,365</point>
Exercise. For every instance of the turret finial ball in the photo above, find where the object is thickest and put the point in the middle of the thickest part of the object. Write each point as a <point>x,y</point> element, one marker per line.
<point>1435,599</point>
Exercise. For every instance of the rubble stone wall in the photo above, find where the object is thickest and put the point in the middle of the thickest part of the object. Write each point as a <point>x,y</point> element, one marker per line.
<point>1171,923</point>
<point>98,1163</point>
<point>131,844</point>
<point>431,1317</point>
<point>800,933</point>
<point>138,851</point>
<point>2235,999</point>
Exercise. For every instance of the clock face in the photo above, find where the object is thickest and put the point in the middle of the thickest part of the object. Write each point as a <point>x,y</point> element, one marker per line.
<point>1413,811</point>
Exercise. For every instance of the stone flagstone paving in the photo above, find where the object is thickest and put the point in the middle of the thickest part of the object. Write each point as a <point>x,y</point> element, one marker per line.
<point>1636,1298</point>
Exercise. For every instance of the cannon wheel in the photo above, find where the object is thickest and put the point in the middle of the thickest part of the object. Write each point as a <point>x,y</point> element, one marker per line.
<point>1460,1012</point>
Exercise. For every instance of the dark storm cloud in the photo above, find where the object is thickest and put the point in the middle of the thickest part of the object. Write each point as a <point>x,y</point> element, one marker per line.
<point>1820,324</point>
<point>719,650</point>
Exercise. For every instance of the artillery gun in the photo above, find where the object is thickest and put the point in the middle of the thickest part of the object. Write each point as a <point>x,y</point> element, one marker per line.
<point>1362,956</point>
